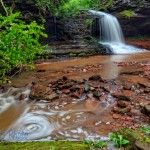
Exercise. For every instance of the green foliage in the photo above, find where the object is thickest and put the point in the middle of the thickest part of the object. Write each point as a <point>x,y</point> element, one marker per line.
<point>100,144</point>
<point>96,144</point>
<point>73,7</point>
<point>57,145</point>
<point>72,54</point>
<point>18,42</point>
<point>135,135</point>
<point>49,6</point>
<point>127,13</point>
<point>66,8</point>
<point>88,21</point>
<point>118,139</point>
<point>145,129</point>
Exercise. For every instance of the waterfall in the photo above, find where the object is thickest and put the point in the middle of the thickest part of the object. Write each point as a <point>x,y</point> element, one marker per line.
<point>111,35</point>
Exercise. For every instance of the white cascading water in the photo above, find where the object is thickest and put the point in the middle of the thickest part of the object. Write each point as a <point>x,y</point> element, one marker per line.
<point>111,35</point>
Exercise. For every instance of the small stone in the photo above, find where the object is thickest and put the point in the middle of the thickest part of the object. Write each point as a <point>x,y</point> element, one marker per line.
<point>84,70</point>
<point>68,117</point>
<point>65,78</point>
<point>22,96</point>
<point>116,116</point>
<point>56,107</point>
<point>76,95</point>
<point>92,88</point>
<point>123,96</point>
<point>121,103</point>
<point>121,110</point>
<point>127,118</point>
<point>90,95</point>
<point>66,91</point>
<point>86,87</point>
<point>147,90</point>
<point>97,123</point>
<point>135,112</point>
<point>107,123</point>
<point>95,78</point>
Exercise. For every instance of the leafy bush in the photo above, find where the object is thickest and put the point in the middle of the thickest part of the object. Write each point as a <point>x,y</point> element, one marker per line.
<point>95,144</point>
<point>18,42</point>
<point>118,139</point>
<point>67,8</point>
<point>127,13</point>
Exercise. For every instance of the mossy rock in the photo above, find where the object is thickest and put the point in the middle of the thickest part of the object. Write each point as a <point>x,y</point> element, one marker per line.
<point>136,139</point>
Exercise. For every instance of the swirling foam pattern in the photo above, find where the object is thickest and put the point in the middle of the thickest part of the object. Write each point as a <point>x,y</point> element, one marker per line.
<point>35,126</point>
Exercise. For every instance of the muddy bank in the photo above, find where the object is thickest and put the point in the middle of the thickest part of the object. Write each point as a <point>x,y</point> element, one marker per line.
<point>144,44</point>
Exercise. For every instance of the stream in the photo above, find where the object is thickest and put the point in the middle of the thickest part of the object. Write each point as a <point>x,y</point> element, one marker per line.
<point>68,119</point>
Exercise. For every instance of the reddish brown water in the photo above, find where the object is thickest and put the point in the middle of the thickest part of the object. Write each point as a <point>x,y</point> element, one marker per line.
<point>104,65</point>
<point>72,119</point>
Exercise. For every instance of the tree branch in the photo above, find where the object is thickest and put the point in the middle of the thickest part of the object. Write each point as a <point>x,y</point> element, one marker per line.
<point>4,7</point>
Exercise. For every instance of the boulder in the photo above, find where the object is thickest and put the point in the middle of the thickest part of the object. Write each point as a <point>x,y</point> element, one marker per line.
<point>146,110</point>
<point>39,92</point>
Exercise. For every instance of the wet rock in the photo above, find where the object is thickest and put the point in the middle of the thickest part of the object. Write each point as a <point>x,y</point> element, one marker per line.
<point>2,102</point>
<point>97,93</point>
<point>147,90</point>
<point>51,96</point>
<point>92,88</point>
<point>66,85</point>
<point>144,84</point>
<point>22,96</point>
<point>127,118</point>
<point>65,78</point>
<point>95,78</point>
<point>75,95</point>
<point>125,95</point>
<point>121,104</point>
<point>90,95</point>
<point>76,87</point>
<point>86,87</point>
<point>38,92</point>
<point>146,110</point>
<point>84,70</point>
<point>66,91</point>
<point>142,145</point>
<point>116,116</point>
<point>135,112</point>
<point>122,110</point>
<point>127,85</point>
